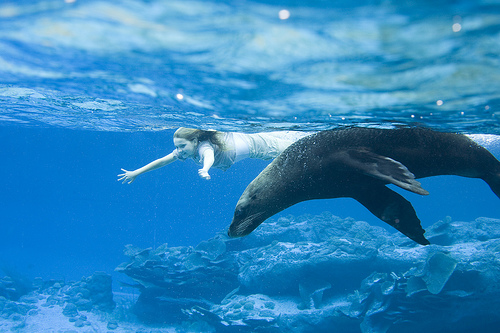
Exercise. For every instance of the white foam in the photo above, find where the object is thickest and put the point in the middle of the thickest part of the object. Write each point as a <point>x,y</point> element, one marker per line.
<point>20,93</point>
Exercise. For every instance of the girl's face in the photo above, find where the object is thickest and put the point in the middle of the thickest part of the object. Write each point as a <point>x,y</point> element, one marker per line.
<point>185,148</point>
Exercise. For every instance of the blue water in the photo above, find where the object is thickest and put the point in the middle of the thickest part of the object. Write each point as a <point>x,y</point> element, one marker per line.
<point>89,87</point>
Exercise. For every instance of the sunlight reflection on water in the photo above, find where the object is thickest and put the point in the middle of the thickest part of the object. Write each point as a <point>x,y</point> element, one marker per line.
<point>251,64</point>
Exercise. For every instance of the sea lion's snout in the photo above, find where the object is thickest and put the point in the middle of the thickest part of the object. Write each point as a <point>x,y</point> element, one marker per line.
<point>237,226</point>
<point>243,217</point>
<point>244,223</point>
<point>233,233</point>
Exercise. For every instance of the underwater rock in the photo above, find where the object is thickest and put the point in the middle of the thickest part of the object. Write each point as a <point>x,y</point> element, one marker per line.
<point>251,311</point>
<point>171,279</point>
<point>83,304</point>
<point>101,291</point>
<point>448,232</point>
<point>324,227</point>
<point>13,285</point>
<point>91,292</point>
<point>70,310</point>
<point>339,251</point>
<point>414,285</point>
<point>439,268</point>
<point>311,292</point>
<point>112,325</point>
<point>310,274</point>
<point>156,305</point>
<point>60,306</point>
<point>211,249</point>
<point>261,313</point>
<point>79,323</point>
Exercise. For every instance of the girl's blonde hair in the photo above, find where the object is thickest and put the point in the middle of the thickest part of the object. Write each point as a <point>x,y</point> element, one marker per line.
<point>215,137</point>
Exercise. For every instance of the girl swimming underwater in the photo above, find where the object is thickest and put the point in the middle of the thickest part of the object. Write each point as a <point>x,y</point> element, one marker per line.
<point>218,149</point>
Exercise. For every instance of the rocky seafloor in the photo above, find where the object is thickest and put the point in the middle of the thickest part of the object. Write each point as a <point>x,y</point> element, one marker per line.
<point>294,274</point>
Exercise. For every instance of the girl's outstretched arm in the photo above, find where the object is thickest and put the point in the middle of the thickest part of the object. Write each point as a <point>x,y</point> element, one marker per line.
<point>208,161</point>
<point>129,176</point>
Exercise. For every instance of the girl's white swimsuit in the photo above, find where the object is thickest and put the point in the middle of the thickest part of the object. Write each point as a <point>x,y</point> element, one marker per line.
<point>264,146</point>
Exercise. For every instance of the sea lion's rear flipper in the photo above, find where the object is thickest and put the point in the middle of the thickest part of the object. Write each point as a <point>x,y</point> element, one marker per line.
<point>383,168</point>
<point>393,209</point>
<point>493,181</point>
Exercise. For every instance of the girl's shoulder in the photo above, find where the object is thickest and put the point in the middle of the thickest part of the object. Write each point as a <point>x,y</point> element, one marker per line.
<point>204,145</point>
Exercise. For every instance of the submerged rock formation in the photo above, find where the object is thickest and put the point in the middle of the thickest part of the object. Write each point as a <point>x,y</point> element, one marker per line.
<point>74,301</point>
<point>310,274</point>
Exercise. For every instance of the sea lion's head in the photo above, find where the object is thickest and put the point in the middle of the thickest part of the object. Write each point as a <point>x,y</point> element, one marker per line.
<point>251,210</point>
<point>280,185</point>
<point>261,199</point>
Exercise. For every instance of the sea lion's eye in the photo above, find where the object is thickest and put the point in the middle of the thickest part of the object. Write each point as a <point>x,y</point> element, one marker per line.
<point>238,213</point>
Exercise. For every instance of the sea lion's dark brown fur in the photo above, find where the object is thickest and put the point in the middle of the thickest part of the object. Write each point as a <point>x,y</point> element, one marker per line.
<point>358,163</point>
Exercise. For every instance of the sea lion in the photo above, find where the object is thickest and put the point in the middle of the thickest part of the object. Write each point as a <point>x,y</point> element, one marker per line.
<point>358,163</point>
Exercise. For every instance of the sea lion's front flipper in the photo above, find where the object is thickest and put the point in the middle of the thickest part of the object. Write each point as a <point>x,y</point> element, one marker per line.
<point>383,168</point>
<point>393,209</point>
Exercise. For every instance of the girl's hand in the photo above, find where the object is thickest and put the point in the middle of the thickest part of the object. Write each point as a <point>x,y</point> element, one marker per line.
<point>127,177</point>
<point>204,174</point>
